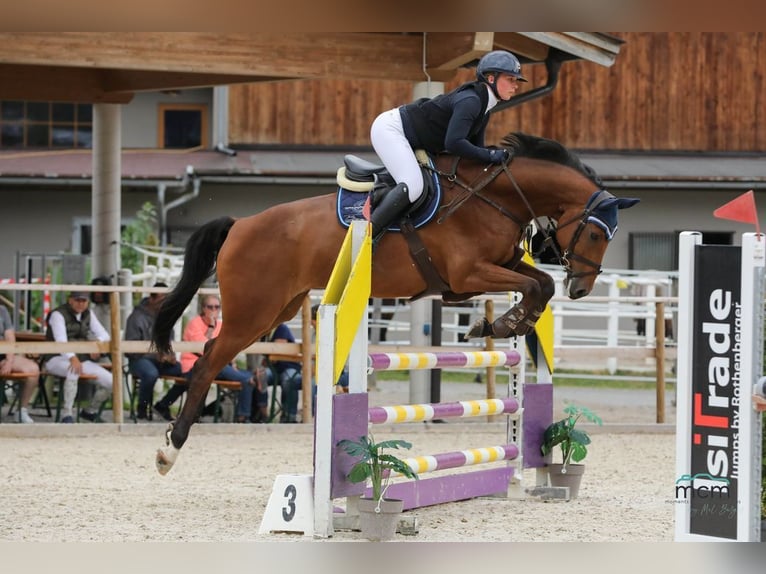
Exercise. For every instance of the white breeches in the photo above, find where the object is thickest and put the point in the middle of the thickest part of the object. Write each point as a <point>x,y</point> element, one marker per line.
<point>393,149</point>
<point>59,366</point>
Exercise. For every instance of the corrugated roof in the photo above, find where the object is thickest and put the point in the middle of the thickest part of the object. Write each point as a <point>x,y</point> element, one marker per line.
<point>172,165</point>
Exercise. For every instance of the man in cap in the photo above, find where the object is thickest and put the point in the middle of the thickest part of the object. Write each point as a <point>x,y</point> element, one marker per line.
<point>73,321</point>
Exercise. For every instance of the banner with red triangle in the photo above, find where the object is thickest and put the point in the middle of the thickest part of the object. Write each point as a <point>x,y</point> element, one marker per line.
<point>742,209</point>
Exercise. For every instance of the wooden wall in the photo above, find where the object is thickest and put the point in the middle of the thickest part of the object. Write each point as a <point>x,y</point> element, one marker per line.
<point>667,91</point>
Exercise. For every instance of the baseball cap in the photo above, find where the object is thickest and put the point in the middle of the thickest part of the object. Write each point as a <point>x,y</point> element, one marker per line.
<point>79,295</point>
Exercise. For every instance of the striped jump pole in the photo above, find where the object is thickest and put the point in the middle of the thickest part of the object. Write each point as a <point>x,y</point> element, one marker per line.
<point>419,361</point>
<point>461,458</point>
<point>427,412</point>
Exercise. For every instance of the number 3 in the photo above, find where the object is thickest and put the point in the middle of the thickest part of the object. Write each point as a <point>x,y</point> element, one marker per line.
<point>288,511</point>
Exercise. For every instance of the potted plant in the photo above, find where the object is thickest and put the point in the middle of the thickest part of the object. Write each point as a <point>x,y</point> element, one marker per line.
<point>573,442</point>
<point>378,515</point>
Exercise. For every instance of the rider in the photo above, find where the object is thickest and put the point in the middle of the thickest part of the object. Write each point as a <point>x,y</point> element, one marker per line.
<point>452,122</point>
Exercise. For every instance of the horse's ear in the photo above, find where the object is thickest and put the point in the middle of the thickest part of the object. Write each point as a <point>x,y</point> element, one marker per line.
<point>626,202</point>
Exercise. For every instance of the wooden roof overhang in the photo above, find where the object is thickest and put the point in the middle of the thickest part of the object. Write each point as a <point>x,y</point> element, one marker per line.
<point>110,67</point>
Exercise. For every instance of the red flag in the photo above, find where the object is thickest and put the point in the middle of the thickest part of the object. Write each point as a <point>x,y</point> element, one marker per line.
<point>741,209</point>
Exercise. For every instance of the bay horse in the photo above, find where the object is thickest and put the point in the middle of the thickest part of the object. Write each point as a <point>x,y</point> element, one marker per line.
<point>267,263</point>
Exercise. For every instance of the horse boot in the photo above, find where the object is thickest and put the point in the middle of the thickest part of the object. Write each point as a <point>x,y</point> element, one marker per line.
<point>393,205</point>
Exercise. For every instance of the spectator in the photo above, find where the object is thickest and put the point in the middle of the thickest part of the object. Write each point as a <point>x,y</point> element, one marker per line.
<point>289,376</point>
<point>204,327</point>
<point>18,364</point>
<point>73,321</point>
<point>148,367</point>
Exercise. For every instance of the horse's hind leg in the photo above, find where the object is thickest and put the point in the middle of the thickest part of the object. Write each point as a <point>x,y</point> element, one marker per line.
<point>217,354</point>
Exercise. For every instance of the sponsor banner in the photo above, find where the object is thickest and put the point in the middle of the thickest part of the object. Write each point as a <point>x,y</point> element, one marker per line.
<point>716,391</point>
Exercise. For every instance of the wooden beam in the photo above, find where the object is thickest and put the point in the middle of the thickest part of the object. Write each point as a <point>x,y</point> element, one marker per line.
<point>451,50</point>
<point>521,46</point>
<point>580,45</point>
<point>48,83</point>
<point>142,81</point>
<point>314,55</point>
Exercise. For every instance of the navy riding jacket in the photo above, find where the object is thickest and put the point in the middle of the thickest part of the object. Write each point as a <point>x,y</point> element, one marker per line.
<point>453,122</point>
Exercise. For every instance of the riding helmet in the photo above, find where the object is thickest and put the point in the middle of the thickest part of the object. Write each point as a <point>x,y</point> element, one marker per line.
<point>499,61</point>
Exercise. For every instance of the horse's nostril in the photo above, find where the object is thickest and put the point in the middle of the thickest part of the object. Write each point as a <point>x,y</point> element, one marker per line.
<point>579,293</point>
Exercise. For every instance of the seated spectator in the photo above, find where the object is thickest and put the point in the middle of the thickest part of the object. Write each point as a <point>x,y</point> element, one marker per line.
<point>18,364</point>
<point>148,367</point>
<point>289,375</point>
<point>204,327</point>
<point>73,321</point>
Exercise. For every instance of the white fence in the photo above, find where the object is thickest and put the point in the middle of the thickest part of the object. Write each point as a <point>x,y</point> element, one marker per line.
<point>619,314</point>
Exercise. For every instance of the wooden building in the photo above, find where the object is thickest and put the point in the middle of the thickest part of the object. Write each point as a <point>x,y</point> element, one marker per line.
<point>672,118</point>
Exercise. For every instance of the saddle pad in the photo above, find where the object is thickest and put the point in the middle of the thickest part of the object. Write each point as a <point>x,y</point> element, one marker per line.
<point>349,205</point>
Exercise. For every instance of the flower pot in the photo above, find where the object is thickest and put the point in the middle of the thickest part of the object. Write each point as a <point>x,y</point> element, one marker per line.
<point>378,522</point>
<point>570,476</point>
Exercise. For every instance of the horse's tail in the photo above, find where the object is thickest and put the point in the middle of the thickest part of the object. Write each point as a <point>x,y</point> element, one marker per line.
<point>199,264</point>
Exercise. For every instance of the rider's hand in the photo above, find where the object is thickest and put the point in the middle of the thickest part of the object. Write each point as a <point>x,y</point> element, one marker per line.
<point>499,155</point>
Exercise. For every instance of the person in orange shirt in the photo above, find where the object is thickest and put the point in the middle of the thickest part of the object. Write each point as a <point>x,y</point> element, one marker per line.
<point>206,326</point>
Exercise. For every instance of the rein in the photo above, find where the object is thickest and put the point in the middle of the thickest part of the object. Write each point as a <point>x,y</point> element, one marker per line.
<point>471,191</point>
<point>549,232</point>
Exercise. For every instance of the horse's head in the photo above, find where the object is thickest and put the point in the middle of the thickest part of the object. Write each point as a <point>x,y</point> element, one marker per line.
<point>586,232</point>
<point>584,227</point>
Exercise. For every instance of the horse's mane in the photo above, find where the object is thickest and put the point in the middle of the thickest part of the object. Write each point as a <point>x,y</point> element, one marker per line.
<point>526,145</point>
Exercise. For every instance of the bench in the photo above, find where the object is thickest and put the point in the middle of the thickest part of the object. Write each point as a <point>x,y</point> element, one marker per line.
<point>221,389</point>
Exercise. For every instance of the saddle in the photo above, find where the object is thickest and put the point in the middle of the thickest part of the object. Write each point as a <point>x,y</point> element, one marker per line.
<point>359,179</point>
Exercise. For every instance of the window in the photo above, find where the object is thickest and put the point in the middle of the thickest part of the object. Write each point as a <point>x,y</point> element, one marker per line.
<point>182,126</point>
<point>82,234</point>
<point>659,251</point>
<point>45,124</point>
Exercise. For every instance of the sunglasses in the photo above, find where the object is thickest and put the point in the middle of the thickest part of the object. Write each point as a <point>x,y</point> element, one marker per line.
<point>212,306</point>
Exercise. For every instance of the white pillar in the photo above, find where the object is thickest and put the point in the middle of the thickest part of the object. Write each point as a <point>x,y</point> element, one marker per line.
<point>106,191</point>
<point>427,89</point>
<point>420,381</point>
<point>221,115</point>
<point>420,311</point>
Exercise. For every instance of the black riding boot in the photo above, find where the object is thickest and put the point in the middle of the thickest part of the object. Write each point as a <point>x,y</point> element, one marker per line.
<point>393,205</point>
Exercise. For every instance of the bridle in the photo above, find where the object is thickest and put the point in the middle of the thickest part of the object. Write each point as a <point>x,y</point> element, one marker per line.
<point>566,258</point>
<point>569,254</point>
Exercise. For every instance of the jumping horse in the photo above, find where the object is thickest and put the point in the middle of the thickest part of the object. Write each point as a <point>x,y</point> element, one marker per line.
<point>267,263</point>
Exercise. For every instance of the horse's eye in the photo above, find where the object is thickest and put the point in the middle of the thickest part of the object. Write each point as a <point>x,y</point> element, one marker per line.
<point>595,235</point>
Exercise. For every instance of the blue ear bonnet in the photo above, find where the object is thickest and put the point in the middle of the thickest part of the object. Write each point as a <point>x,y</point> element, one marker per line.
<point>601,210</point>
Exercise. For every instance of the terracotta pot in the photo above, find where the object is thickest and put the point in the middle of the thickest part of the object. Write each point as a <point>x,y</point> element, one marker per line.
<point>378,522</point>
<point>571,476</point>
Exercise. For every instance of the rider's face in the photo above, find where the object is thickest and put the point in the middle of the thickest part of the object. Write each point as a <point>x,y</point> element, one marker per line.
<point>506,86</point>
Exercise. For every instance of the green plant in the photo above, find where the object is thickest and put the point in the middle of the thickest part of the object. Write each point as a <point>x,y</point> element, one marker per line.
<point>374,464</point>
<point>140,231</point>
<point>564,433</point>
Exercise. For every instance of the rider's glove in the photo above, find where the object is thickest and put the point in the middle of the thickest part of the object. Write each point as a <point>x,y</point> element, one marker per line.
<point>499,156</point>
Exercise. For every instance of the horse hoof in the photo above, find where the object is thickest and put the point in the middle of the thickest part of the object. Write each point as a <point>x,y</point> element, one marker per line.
<point>167,455</point>
<point>480,328</point>
<point>165,459</point>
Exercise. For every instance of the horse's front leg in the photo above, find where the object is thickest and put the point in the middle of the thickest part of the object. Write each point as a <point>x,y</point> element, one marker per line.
<point>517,321</point>
<point>536,287</point>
